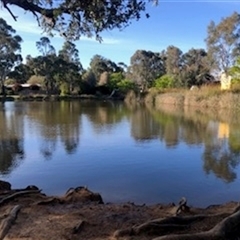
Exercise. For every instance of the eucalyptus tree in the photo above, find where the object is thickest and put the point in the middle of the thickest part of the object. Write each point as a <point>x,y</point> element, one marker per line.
<point>195,67</point>
<point>72,66</point>
<point>100,64</point>
<point>145,67</point>
<point>21,73</point>
<point>223,42</point>
<point>44,46</point>
<point>173,60</point>
<point>69,52</point>
<point>74,19</point>
<point>46,63</point>
<point>44,66</point>
<point>10,47</point>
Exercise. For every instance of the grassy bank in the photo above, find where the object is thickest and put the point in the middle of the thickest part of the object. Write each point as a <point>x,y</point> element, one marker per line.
<point>205,97</point>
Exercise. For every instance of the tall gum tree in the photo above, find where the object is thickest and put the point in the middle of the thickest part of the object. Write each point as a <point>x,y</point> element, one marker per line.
<point>10,48</point>
<point>223,42</point>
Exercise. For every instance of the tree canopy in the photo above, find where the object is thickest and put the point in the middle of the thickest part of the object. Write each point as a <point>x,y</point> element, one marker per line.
<point>223,41</point>
<point>10,47</point>
<point>74,19</point>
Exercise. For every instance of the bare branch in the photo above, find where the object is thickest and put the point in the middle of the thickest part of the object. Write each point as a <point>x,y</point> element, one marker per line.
<point>11,13</point>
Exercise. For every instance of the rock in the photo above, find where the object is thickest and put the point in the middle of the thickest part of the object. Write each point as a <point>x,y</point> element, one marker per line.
<point>4,186</point>
<point>82,194</point>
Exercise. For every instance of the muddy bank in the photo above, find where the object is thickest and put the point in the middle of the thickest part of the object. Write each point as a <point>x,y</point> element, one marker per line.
<point>81,214</point>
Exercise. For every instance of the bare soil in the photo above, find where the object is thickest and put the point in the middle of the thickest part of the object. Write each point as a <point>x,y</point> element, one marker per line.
<point>28,214</point>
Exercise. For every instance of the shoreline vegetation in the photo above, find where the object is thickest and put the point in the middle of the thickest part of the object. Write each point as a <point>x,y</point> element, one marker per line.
<point>205,97</point>
<point>82,214</point>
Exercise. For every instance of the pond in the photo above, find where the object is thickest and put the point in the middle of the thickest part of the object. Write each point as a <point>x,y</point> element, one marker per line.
<point>124,152</point>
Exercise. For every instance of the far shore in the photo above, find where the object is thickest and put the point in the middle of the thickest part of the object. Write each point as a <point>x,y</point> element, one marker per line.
<point>206,98</point>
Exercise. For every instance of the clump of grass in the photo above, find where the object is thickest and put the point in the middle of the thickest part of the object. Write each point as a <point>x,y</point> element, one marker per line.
<point>235,88</point>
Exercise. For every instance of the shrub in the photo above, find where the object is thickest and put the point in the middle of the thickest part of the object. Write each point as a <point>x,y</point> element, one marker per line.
<point>126,85</point>
<point>34,80</point>
<point>165,81</point>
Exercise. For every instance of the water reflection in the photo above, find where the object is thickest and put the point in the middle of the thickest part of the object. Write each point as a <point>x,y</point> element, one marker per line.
<point>56,129</point>
<point>11,140</point>
<point>220,140</point>
<point>104,115</point>
<point>54,121</point>
<point>219,156</point>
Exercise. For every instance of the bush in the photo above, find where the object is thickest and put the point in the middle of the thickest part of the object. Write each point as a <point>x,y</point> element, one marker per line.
<point>34,80</point>
<point>125,85</point>
<point>165,81</point>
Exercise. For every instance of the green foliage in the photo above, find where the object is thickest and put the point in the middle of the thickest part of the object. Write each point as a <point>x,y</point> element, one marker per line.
<point>74,19</point>
<point>223,42</point>
<point>10,47</point>
<point>44,46</point>
<point>21,73</point>
<point>125,85</point>
<point>173,60</point>
<point>118,81</point>
<point>195,68</point>
<point>115,78</point>
<point>99,65</point>
<point>166,81</point>
<point>145,67</point>
<point>234,71</point>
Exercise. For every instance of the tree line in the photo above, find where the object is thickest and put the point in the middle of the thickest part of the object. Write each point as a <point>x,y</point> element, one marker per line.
<point>62,72</point>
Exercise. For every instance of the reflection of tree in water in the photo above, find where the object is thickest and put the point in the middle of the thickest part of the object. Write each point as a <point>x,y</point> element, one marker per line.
<point>194,131</point>
<point>174,128</point>
<point>57,120</point>
<point>11,141</point>
<point>143,126</point>
<point>103,115</point>
<point>47,148</point>
<point>220,160</point>
<point>221,156</point>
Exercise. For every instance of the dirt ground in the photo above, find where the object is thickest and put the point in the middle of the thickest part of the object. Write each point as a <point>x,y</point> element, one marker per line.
<point>28,214</point>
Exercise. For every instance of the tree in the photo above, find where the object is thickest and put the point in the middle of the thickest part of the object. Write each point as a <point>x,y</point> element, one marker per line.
<point>44,46</point>
<point>100,64</point>
<point>223,42</point>
<point>45,66</point>
<point>173,60</point>
<point>195,68</point>
<point>10,47</point>
<point>70,53</point>
<point>76,18</point>
<point>21,73</point>
<point>70,62</point>
<point>88,82</point>
<point>145,67</point>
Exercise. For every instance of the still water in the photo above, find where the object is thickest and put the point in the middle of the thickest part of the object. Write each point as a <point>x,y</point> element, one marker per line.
<point>126,153</point>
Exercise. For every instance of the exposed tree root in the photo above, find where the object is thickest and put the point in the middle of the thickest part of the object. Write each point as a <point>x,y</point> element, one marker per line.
<point>53,200</point>
<point>78,227</point>
<point>228,228</point>
<point>8,221</point>
<point>17,194</point>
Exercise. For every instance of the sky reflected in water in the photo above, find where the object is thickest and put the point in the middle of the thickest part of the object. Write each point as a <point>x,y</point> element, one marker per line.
<point>126,153</point>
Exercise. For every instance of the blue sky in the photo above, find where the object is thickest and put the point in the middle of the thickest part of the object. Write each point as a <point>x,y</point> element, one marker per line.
<point>179,23</point>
